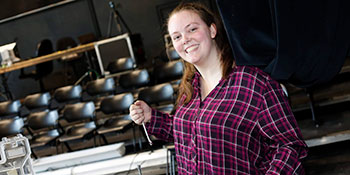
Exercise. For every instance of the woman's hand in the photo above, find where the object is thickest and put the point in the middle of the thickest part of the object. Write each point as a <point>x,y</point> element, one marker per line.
<point>140,112</point>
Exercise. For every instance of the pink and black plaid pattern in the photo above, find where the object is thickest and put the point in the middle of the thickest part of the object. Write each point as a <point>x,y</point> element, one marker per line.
<point>244,126</point>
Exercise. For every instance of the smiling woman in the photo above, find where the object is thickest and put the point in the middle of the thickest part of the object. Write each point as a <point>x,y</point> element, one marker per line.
<point>229,119</point>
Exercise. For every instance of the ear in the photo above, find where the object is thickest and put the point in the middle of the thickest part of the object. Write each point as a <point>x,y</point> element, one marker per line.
<point>213,30</point>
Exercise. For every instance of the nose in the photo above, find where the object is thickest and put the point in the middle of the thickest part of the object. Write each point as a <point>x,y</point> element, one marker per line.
<point>186,39</point>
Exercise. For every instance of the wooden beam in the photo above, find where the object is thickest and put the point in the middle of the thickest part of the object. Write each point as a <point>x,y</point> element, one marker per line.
<point>45,58</point>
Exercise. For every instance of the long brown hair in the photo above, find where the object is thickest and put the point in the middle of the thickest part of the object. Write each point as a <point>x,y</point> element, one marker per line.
<point>221,41</point>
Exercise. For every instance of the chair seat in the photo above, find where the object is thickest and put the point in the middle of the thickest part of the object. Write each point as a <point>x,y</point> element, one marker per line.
<point>43,139</point>
<point>165,108</point>
<point>113,125</point>
<point>78,131</point>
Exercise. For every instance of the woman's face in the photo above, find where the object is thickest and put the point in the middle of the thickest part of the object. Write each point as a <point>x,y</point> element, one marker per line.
<point>191,36</point>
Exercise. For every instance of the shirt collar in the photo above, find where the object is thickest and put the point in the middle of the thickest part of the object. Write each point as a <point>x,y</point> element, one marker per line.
<point>196,78</point>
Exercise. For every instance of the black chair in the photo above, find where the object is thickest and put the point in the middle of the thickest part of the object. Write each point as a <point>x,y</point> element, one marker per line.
<point>44,128</point>
<point>100,86</point>
<point>75,61</point>
<point>11,126</point>
<point>67,94</point>
<point>65,43</point>
<point>160,96</point>
<point>10,108</point>
<point>169,72</point>
<point>81,118</point>
<point>131,81</point>
<point>44,47</point>
<point>172,54</point>
<point>37,102</point>
<point>116,109</point>
<point>121,64</point>
<point>96,90</point>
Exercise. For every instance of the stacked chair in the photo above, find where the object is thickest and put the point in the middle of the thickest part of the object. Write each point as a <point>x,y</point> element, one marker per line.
<point>11,126</point>
<point>160,96</point>
<point>67,95</point>
<point>44,128</point>
<point>10,121</point>
<point>81,123</point>
<point>42,122</point>
<point>133,81</point>
<point>121,65</point>
<point>169,72</point>
<point>116,118</point>
<point>38,102</point>
<point>96,90</point>
<point>11,108</point>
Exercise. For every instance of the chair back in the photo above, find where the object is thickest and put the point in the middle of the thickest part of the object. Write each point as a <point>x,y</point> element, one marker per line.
<point>79,111</point>
<point>172,54</point>
<point>38,100</point>
<point>43,119</point>
<point>11,126</point>
<point>172,70</point>
<point>157,94</point>
<point>44,47</point>
<point>100,86</point>
<point>65,43</point>
<point>121,64</point>
<point>116,104</point>
<point>134,79</point>
<point>68,93</point>
<point>10,108</point>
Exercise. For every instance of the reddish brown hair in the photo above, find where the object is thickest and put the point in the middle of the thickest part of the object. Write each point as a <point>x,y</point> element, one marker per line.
<point>221,41</point>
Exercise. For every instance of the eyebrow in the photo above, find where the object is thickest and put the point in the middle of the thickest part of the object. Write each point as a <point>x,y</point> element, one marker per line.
<point>188,25</point>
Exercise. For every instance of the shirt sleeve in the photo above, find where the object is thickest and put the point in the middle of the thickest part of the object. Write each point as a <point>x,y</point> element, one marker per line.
<point>161,126</point>
<point>280,130</point>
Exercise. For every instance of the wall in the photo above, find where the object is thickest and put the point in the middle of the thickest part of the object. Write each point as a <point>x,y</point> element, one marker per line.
<point>74,19</point>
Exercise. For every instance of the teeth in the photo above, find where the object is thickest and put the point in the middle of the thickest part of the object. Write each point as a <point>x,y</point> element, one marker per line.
<point>191,48</point>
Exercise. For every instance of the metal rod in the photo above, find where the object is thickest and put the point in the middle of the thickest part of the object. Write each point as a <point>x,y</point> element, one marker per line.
<point>139,169</point>
<point>149,140</point>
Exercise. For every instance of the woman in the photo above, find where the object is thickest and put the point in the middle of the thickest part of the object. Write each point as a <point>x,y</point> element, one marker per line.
<point>229,119</point>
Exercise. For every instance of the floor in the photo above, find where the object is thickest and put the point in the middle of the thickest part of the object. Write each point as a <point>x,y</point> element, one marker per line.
<point>333,118</point>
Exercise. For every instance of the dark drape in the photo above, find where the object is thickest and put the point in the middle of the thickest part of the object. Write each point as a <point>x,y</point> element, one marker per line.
<point>304,42</point>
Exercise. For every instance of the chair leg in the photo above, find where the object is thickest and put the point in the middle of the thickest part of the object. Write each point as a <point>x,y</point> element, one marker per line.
<point>134,139</point>
<point>33,153</point>
<point>56,144</point>
<point>140,137</point>
<point>312,108</point>
<point>105,141</point>
<point>67,146</point>
<point>95,141</point>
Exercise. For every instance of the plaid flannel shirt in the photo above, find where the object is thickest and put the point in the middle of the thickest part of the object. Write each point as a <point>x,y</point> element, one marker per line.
<point>244,126</point>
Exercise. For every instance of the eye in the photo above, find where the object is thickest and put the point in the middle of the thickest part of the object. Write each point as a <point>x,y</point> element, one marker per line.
<point>176,37</point>
<point>193,29</point>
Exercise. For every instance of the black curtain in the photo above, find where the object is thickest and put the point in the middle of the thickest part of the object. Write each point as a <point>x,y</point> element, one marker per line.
<point>304,42</point>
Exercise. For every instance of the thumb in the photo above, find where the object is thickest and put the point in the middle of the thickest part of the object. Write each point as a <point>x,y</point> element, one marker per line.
<point>138,103</point>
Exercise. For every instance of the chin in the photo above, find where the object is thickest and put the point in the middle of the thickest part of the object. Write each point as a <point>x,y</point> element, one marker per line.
<point>192,60</point>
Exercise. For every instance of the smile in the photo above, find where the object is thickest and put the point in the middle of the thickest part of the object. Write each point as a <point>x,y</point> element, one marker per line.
<point>191,48</point>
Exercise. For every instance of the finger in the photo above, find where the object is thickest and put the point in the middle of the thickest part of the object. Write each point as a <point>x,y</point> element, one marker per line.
<point>136,111</point>
<point>135,117</point>
<point>139,120</point>
<point>133,106</point>
<point>138,103</point>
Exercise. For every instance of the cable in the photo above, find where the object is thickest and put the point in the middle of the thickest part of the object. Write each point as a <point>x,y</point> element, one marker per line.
<point>85,75</point>
<point>132,162</point>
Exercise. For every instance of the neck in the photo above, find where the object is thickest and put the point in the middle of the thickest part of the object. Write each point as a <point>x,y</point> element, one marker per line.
<point>211,69</point>
<point>211,74</point>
